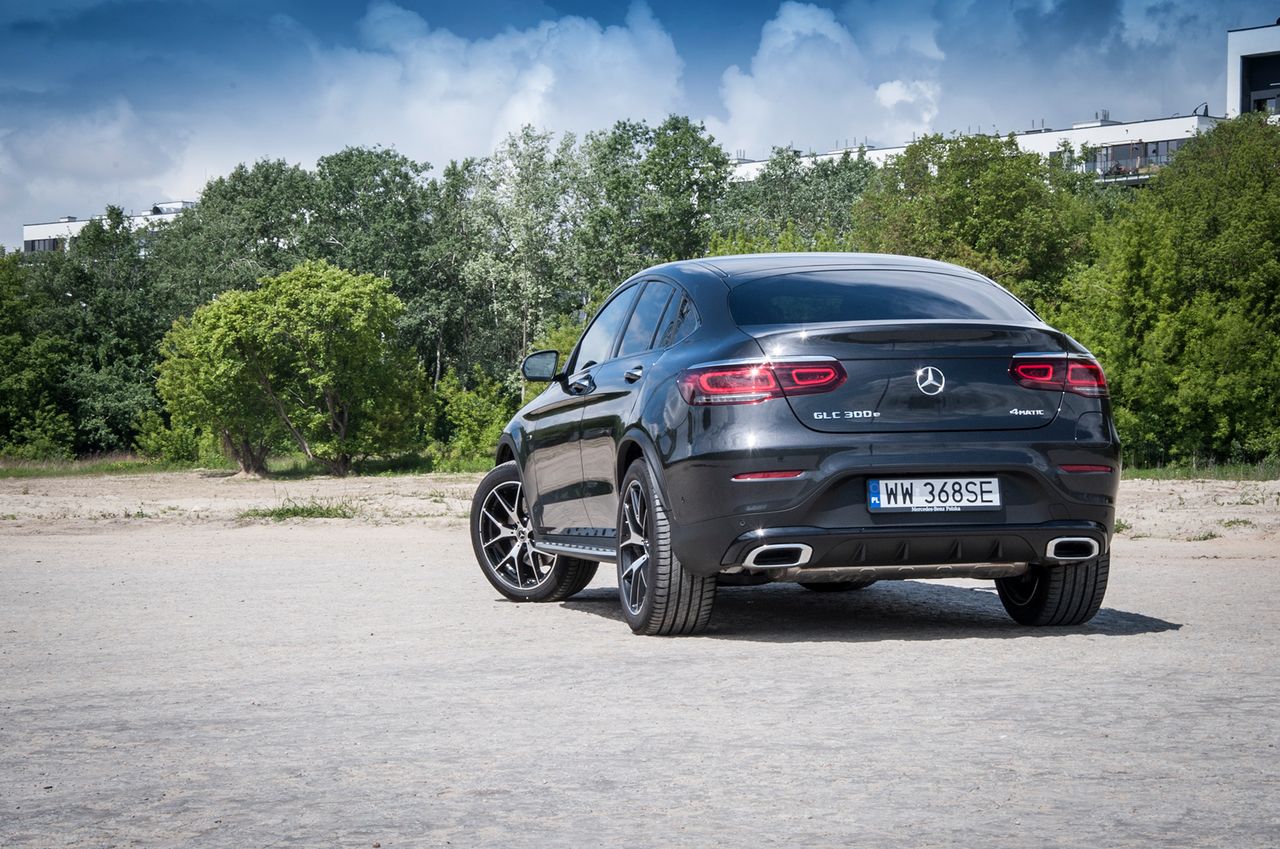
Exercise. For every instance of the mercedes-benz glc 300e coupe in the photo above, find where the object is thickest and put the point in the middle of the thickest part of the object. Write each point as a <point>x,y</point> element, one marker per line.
<point>828,419</point>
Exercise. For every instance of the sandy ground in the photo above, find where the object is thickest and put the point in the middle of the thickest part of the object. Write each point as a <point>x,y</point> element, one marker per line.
<point>173,675</point>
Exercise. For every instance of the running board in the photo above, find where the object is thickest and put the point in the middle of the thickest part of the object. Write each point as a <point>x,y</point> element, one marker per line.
<point>584,552</point>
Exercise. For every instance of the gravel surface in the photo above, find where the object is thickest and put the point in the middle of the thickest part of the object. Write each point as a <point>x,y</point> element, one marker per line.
<point>173,675</point>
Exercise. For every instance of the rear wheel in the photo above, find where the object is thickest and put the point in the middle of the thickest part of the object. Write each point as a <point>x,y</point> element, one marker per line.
<point>1057,594</point>
<point>836,586</point>
<point>658,596</point>
<point>502,536</point>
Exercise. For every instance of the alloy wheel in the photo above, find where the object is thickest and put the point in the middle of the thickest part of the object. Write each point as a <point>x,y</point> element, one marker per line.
<point>506,538</point>
<point>633,548</point>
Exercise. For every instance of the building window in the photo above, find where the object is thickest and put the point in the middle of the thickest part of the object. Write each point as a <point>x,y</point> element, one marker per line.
<point>33,246</point>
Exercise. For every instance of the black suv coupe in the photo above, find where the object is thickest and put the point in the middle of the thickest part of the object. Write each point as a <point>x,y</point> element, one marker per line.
<point>829,419</point>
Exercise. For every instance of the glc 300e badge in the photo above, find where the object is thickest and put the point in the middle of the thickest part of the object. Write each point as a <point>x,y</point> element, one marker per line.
<point>931,380</point>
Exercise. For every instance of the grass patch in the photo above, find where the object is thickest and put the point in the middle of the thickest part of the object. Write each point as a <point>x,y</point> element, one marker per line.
<point>1237,523</point>
<point>1206,535</point>
<point>284,466</point>
<point>296,466</point>
<point>316,508</point>
<point>1122,526</point>
<point>1267,470</point>
<point>456,465</point>
<point>111,464</point>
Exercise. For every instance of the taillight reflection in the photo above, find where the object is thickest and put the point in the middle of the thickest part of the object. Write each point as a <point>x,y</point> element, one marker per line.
<point>751,383</point>
<point>1074,373</point>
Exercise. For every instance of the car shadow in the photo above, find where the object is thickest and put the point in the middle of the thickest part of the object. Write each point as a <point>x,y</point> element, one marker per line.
<point>889,610</point>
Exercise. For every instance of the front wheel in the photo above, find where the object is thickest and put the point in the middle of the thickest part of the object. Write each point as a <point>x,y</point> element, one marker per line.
<point>658,596</point>
<point>1056,595</point>
<point>502,536</point>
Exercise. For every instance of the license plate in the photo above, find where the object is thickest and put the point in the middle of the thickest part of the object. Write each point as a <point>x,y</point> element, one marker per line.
<point>933,495</point>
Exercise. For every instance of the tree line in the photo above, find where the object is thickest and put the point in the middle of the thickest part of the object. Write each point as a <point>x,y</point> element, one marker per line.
<point>368,307</point>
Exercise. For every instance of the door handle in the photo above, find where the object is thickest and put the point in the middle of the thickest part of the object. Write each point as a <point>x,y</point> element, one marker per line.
<point>581,385</point>
<point>633,374</point>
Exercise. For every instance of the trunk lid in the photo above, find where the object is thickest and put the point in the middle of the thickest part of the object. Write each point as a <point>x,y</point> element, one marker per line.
<point>918,375</point>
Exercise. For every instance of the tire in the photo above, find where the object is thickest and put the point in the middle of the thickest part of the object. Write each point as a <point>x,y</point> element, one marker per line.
<point>658,596</point>
<point>1056,595</point>
<point>501,535</point>
<point>836,586</point>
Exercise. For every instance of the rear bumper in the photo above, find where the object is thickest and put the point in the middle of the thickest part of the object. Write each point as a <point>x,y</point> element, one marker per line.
<point>828,516</point>
<point>936,545</point>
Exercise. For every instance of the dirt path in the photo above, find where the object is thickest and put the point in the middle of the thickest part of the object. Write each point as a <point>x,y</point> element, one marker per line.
<point>171,675</point>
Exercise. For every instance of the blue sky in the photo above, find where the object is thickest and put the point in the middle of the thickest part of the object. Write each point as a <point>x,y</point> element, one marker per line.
<point>136,101</point>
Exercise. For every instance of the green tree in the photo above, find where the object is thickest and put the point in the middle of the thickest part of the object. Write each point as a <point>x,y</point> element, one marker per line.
<point>470,420</point>
<point>1183,305</point>
<point>209,378</point>
<point>370,214</point>
<point>685,173</point>
<point>103,305</point>
<point>813,199</point>
<point>982,202</point>
<point>330,365</point>
<point>524,207</point>
<point>313,352</point>
<point>441,319</point>
<point>34,410</point>
<point>248,225</point>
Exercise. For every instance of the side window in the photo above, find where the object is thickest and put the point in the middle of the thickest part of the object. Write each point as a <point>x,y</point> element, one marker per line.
<point>643,325</point>
<point>681,320</point>
<point>597,343</point>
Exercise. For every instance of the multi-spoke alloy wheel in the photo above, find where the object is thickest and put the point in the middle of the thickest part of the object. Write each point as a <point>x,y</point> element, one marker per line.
<point>505,537</point>
<point>502,536</point>
<point>658,595</point>
<point>633,548</point>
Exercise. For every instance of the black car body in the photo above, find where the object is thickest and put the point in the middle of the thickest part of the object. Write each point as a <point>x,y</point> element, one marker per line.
<point>832,419</point>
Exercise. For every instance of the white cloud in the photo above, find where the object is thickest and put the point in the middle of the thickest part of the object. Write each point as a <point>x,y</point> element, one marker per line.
<point>810,84</point>
<point>111,154</point>
<point>111,143</point>
<point>429,93</point>
<point>896,27</point>
<point>882,69</point>
<point>912,105</point>
<point>437,96</point>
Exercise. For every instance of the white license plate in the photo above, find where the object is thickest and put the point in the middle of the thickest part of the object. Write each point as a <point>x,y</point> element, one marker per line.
<point>933,495</point>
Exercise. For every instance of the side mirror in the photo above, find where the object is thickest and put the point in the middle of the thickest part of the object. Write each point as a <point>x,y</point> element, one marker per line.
<point>540,366</point>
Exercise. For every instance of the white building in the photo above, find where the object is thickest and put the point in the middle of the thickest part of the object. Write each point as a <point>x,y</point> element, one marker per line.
<point>1119,151</point>
<point>1253,70</point>
<point>1128,152</point>
<point>55,235</point>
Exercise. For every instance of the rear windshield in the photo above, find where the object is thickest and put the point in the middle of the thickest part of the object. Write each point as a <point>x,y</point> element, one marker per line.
<point>814,297</point>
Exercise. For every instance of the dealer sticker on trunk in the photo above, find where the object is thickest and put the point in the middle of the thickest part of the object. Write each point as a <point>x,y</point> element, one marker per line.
<point>933,495</point>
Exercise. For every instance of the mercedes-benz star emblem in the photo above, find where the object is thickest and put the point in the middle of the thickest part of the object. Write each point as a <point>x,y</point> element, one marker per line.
<point>930,380</point>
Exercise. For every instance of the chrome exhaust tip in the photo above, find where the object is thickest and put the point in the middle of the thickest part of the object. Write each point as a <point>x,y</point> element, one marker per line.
<point>1071,549</point>
<point>780,555</point>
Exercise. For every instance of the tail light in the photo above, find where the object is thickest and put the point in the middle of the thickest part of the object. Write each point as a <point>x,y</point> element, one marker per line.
<point>750,383</point>
<point>1067,373</point>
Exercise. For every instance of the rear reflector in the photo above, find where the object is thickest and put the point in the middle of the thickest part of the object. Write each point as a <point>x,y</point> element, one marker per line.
<point>1070,373</point>
<point>750,383</point>
<point>1084,467</point>
<point>764,476</point>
